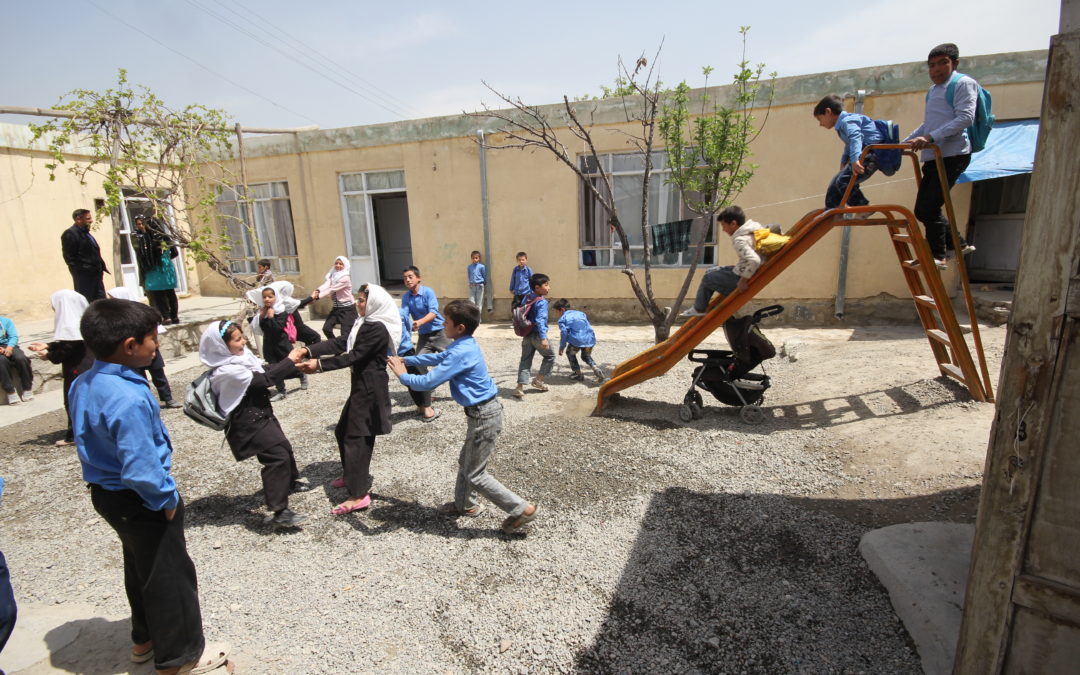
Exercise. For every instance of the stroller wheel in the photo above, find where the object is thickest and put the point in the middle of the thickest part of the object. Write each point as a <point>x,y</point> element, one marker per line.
<point>695,397</point>
<point>685,413</point>
<point>752,414</point>
<point>696,410</point>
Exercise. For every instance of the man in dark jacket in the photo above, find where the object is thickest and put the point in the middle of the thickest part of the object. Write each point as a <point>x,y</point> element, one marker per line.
<point>83,257</point>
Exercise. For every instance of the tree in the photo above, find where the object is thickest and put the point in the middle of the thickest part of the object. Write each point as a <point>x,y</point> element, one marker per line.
<point>169,157</point>
<point>709,164</point>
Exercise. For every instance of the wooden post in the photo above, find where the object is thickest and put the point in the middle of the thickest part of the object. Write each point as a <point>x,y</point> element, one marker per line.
<point>1031,425</point>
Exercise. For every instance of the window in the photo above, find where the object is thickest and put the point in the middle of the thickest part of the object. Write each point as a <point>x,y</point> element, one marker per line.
<point>270,235</point>
<point>599,245</point>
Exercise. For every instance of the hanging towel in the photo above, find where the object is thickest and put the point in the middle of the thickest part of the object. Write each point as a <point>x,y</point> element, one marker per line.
<point>673,237</point>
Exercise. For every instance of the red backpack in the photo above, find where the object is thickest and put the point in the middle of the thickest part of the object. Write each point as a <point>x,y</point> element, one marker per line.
<point>519,316</point>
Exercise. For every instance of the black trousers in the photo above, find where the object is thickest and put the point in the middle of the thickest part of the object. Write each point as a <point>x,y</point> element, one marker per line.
<point>166,303</point>
<point>341,314</point>
<point>8,611</point>
<point>157,376</point>
<point>278,473</point>
<point>930,199</point>
<point>159,576</point>
<point>20,365</point>
<point>89,285</point>
<point>355,451</point>
<point>428,343</point>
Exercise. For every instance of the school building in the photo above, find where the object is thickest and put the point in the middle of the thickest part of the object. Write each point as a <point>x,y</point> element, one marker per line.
<point>427,192</point>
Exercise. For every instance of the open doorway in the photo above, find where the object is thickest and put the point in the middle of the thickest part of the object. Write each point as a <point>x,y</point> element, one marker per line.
<point>393,240</point>
<point>998,208</point>
<point>375,209</point>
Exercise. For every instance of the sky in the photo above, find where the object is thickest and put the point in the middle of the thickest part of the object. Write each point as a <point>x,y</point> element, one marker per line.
<point>339,63</point>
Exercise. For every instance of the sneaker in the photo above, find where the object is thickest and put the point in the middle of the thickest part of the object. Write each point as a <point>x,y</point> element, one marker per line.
<point>27,396</point>
<point>287,518</point>
<point>300,485</point>
<point>172,403</point>
<point>538,384</point>
<point>577,376</point>
<point>599,372</point>
<point>519,393</point>
<point>12,398</point>
<point>691,312</point>
<point>941,263</point>
<point>967,249</point>
<point>303,382</point>
<point>280,396</point>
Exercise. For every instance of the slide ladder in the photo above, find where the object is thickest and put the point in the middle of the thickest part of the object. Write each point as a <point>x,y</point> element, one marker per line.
<point>932,302</point>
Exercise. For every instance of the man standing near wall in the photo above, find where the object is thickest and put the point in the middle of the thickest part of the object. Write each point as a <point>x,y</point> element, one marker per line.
<point>83,257</point>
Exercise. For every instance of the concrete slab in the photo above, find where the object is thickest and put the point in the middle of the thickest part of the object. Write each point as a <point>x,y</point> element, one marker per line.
<point>924,567</point>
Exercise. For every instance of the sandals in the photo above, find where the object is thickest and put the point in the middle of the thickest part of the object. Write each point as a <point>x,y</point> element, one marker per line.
<point>142,657</point>
<point>341,509</point>
<point>514,524</point>
<point>434,416</point>
<point>451,509</point>
<point>214,656</point>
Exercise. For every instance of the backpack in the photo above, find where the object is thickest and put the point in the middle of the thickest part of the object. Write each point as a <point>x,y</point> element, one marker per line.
<point>200,404</point>
<point>888,161</point>
<point>768,242</point>
<point>519,316</point>
<point>980,127</point>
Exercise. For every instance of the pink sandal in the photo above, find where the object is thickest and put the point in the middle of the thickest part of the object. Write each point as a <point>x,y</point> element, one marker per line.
<point>341,509</point>
<point>337,483</point>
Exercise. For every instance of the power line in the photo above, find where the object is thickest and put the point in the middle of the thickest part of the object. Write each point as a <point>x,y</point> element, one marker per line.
<point>271,45</point>
<point>204,67</point>
<point>342,70</point>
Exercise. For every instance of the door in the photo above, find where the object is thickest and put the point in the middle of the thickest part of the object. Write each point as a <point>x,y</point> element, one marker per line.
<point>360,212</point>
<point>392,233</point>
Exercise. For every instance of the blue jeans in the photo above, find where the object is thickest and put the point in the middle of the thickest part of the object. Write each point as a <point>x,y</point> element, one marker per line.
<point>483,423</point>
<point>530,344</point>
<point>839,184</point>
<point>722,280</point>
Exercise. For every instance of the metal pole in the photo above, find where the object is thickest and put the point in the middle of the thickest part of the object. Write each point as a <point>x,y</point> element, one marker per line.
<point>489,292</point>
<point>845,239</point>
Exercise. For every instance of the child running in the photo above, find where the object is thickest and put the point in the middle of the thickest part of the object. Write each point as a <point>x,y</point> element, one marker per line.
<point>242,387</point>
<point>576,335</point>
<point>126,454</point>
<point>367,411</point>
<point>338,285</point>
<point>67,347</point>
<point>157,366</point>
<point>462,365</point>
<point>275,322</point>
<point>536,340</point>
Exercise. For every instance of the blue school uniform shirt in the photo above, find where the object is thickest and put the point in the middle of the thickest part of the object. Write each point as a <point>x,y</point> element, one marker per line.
<point>477,273</point>
<point>8,336</point>
<point>855,130</point>
<point>519,280</point>
<point>574,328</point>
<point>406,333</point>
<point>462,365</point>
<point>120,438</point>
<point>538,314</point>
<point>420,305</point>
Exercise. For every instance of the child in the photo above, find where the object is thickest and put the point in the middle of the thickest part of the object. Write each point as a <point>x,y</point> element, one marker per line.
<point>126,454</point>
<point>67,347</point>
<point>519,279</point>
<point>13,359</point>
<point>405,348</point>
<point>945,125</point>
<point>157,366</point>
<point>338,285</point>
<point>477,274</point>
<point>265,277</point>
<point>274,321</point>
<point>423,306</point>
<point>241,386</point>
<point>856,131</point>
<point>462,365</point>
<point>536,341</point>
<point>724,280</point>
<point>367,411</point>
<point>575,330</point>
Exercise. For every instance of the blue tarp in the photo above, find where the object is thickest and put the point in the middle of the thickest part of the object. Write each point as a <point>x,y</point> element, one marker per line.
<point>1009,150</point>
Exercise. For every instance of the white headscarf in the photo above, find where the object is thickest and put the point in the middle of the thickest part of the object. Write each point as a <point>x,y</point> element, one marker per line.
<point>125,293</point>
<point>284,302</point>
<point>380,308</point>
<point>69,307</point>
<point>231,372</point>
<point>333,275</point>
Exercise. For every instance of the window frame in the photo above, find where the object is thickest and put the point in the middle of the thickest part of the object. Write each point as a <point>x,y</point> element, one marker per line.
<point>263,243</point>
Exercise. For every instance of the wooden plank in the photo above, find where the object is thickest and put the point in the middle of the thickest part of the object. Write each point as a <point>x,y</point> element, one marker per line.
<point>1040,644</point>
<point>1049,597</point>
<point>940,336</point>
<point>926,301</point>
<point>1049,255</point>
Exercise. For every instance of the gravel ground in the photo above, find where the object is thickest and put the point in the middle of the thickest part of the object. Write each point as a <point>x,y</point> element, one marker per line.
<point>660,547</point>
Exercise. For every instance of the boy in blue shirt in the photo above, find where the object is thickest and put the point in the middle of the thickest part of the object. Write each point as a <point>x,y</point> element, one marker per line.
<point>519,279</point>
<point>462,365</point>
<point>575,331</point>
<point>126,455</point>
<point>477,274</point>
<point>423,307</point>
<point>536,340</point>
<point>856,131</point>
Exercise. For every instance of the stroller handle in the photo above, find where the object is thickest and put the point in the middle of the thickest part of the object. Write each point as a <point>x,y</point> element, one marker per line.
<point>766,312</point>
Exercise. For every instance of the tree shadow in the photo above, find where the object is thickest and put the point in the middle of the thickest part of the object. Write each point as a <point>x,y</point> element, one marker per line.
<point>747,583</point>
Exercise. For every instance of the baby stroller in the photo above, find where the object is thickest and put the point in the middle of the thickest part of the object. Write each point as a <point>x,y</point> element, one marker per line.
<point>726,374</point>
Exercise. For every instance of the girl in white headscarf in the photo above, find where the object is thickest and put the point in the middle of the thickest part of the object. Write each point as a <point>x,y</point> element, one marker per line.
<point>274,320</point>
<point>67,346</point>
<point>241,385</point>
<point>338,285</point>
<point>367,411</point>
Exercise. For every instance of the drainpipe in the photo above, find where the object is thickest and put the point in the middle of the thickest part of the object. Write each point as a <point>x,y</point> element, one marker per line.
<point>845,238</point>
<point>490,290</point>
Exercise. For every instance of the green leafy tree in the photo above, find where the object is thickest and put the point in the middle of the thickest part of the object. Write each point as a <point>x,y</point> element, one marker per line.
<point>170,157</point>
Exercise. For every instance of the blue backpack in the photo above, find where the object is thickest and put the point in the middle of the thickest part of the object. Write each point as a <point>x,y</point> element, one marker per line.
<point>980,127</point>
<point>888,161</point>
